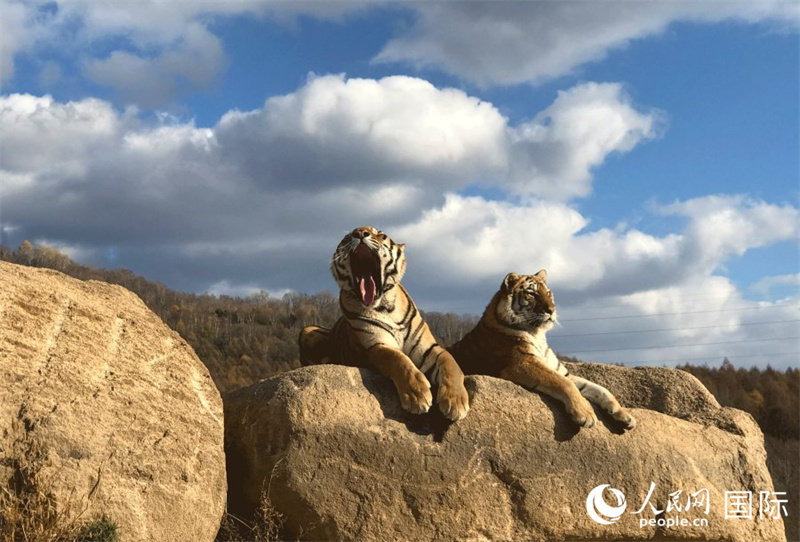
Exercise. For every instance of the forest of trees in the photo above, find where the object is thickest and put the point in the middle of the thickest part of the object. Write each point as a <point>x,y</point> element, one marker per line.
<point>245,339</point>
<point>772,397</point>
<point>242,340</point>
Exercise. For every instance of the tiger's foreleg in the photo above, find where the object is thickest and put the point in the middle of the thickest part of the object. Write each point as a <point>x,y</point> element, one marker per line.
<point>603,398</point>
<point>532,373</point>
<point>451,395</point>
<point>314,345</point>
<point>412,386</point>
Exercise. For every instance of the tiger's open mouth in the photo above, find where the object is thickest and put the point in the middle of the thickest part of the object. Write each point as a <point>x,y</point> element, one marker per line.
<point>366,268</point>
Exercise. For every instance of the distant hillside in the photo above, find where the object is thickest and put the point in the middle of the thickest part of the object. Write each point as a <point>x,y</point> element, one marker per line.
<point>242,340</point>
<point>772,397</point>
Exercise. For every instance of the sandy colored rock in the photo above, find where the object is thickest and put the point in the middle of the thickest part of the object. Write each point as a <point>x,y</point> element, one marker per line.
<point>341,460</point>
<point>124,417</point>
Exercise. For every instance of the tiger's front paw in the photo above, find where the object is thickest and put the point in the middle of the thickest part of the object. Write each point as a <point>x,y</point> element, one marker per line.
<point>582,412</point>
<point>415,393</point>
<point>453,398</point>
<point>625,418</point>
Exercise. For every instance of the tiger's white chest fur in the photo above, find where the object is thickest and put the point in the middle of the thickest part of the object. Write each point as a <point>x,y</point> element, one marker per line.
<point>537,342</point>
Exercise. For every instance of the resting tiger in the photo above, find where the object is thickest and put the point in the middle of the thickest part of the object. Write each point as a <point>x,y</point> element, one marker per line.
<point>382,329</point>
<point>509,341</point>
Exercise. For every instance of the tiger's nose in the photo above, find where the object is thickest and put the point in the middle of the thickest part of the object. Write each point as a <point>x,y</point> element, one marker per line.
<point>361,233</point>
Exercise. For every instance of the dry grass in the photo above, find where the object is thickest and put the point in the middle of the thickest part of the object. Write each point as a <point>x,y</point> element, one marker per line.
<point>268,521</point>
<point>265,525</point>
<point>29,510</point>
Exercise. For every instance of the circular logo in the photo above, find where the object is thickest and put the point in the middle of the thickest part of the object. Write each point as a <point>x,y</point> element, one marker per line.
<point>598,509</point>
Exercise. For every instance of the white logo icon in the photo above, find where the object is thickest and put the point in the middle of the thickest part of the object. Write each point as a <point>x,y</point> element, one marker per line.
<point>598,509</point>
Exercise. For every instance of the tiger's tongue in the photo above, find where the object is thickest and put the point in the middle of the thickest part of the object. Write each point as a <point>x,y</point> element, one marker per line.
<point>367,286</point>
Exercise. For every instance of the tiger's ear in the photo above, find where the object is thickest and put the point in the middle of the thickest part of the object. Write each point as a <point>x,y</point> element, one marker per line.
<point>542,275</point>
<point>400,248</point>
<point>509,281</point>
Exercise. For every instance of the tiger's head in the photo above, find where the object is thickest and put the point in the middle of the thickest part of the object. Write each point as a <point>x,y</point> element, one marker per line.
<point>526,303</point>
<point>368,264</point>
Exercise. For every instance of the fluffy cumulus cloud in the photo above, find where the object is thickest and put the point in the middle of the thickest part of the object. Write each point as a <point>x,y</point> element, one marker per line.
<point>260,200</point>
<point>48,138</point>
<point>722,226</point>
<point>699,319</point>
<point>335,149</point>
<point>359,131</point>
<point>554,154</point>
<point>624,295</point>
<point>486,239</point>
<point>515,42</point>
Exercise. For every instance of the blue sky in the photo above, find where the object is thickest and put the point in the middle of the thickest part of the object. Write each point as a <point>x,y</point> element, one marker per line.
<point>645,153</point>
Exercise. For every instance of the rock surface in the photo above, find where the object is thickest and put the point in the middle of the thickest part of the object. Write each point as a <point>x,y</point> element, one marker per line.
<point>336,455</point>
<point>115,410</point>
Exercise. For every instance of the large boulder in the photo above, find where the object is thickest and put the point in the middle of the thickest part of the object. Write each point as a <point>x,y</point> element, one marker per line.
<point>336,456</point>
<point>105,411</point>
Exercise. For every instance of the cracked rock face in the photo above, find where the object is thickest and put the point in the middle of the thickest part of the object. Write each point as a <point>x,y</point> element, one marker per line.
<point>105,407</point>
<point>336,455</point>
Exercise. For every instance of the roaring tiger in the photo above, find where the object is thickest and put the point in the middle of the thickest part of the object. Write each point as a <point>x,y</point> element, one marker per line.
<point>509,342</point>
<point>382,329</point>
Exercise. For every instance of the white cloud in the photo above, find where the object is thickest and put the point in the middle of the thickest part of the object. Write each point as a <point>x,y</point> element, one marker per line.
<point>76,252</point>
<point>260,200</point>
<point>41,135</point>
<point>766,285</point>
<point>13,36</point>
<point>554,154</point>
<point>486,239</point>
<point>338,150</point>
<point>357,131</point>
<point>162,49</point>
<point>514,42</point>
<point>358,150</point>
<point>152,81</point>
<point>344,149</point>
<point>166,48</point>
<point>361,131</point>
<point>623,296</point>
<point>724,226</point>
<point>224,287</point>
<point>700,319</point>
